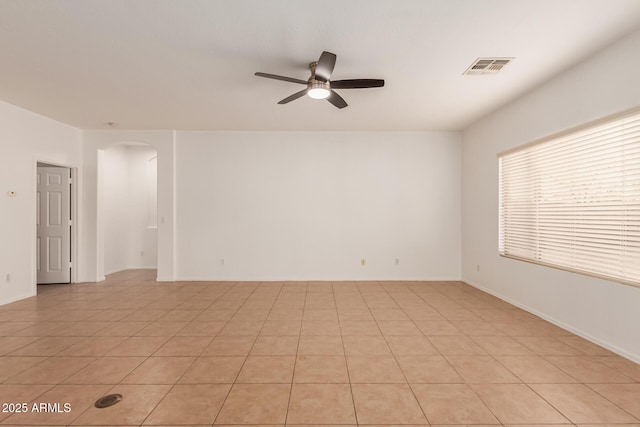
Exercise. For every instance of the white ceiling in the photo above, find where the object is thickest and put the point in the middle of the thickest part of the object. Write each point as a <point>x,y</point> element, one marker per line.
<point>189,64</point>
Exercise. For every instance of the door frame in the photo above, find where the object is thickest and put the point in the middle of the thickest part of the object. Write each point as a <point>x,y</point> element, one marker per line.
<point>75,221</point>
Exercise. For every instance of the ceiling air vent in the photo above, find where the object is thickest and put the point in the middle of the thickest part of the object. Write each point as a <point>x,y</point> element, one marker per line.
<point>488,65</point>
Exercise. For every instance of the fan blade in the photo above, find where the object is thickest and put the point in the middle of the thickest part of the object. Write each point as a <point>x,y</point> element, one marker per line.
<point>325,66</point>
<point>357,83</point>
<point>283,78</point>
<point>337,100</point>
<point>293,97</point>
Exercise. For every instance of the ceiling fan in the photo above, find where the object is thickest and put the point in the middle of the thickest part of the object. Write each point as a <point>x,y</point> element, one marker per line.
<point>320,86</point>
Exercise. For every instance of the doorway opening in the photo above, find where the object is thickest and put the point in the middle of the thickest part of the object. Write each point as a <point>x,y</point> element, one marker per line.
<point>55,228</point>
<point>129,207</point>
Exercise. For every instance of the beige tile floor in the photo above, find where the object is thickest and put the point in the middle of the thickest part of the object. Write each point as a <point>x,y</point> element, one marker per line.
<point>301,353</point>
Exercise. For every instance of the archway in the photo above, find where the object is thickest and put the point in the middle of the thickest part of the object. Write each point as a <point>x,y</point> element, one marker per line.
<point>96,142</point>
<point>128,207</point>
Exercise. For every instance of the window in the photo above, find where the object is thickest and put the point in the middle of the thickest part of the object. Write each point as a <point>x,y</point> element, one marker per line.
<point>572,201</point>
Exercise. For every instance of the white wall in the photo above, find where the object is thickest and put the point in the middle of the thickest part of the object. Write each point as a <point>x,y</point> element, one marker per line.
<point>605,312</point>
<point>128,239</point>
<point>26,138</point>
<point>310,205</point>
<point>115,201</point>
<point>94,145</point>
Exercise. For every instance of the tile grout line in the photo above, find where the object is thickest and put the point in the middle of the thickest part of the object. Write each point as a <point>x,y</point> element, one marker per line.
<point>609,400</point>
<point>344,351</point>
<point>295,360</point>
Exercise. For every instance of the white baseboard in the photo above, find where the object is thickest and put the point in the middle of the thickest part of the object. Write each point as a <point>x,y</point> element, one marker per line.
<point>306,279</point>
<point>633,357</point>
<point>118,270</point>
<point>16,298</point>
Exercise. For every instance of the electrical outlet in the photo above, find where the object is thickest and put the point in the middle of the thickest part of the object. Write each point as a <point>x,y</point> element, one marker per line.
<point>8,277</point>
<point>397,261</point>
<point>478,268</point>
<point>221,261</point>
<point>363,262</point>
<point>141,253</point>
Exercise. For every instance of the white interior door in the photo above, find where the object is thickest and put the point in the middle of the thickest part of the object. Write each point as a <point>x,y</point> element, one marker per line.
<point>54,225</point>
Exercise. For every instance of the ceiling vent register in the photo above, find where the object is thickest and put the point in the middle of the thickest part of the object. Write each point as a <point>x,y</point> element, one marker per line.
<point>487,66</point>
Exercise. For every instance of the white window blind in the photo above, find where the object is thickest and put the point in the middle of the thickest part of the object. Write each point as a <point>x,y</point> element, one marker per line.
<point>572,201</point>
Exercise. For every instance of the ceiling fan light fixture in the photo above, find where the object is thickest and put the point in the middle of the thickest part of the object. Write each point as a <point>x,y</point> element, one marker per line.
<point>318,93</point>
<point>318,90</point>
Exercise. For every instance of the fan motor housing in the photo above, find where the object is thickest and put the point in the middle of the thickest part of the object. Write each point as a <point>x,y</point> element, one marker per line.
<point>317,84</point>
